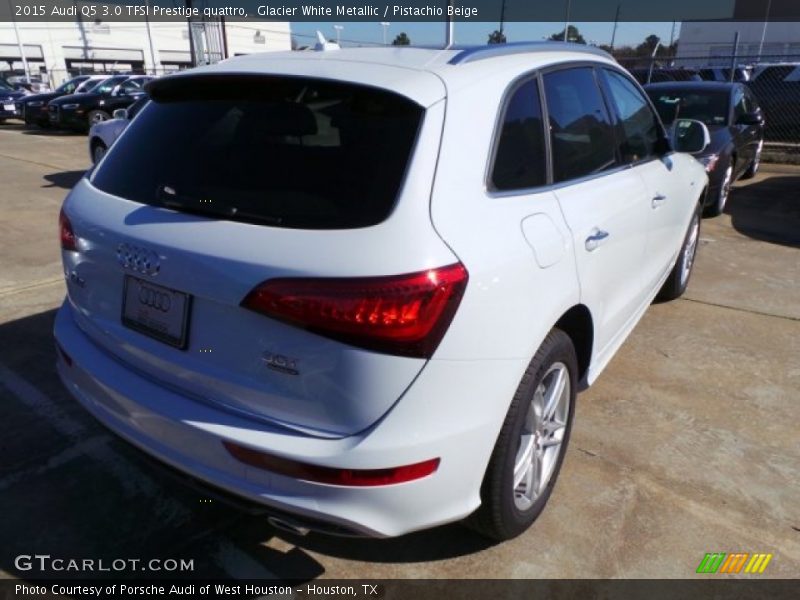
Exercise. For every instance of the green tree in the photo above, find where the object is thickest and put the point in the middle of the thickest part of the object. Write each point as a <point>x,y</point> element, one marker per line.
<point>573,35</point>
<point>497,37</point>
<point>401,40</point>
<point>648,45</point>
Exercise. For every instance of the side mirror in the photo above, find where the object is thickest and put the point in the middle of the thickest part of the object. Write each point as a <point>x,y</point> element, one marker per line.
<point>690,136</point>
<point>752,118</point>
<point>121,113</point>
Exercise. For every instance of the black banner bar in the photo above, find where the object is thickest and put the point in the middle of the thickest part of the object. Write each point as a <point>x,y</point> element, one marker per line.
<point>440,589</point>
<point>401,10</point>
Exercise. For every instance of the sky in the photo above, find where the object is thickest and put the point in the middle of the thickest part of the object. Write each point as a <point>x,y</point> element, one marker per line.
<point>477,33</point>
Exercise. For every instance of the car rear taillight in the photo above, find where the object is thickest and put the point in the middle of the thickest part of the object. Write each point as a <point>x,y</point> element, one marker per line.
<point>401,314</point>
<point>68,240</point>
<point>332,475</point>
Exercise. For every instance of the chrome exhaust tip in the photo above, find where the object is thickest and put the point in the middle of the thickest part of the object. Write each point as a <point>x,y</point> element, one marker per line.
<point>288,526</point>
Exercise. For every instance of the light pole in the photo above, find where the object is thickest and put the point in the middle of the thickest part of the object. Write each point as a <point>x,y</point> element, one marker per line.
<point>150,38</point>
<point>338,29</point>
<point>19,44</point>
<point>764,30</point>
<point>616,23</point>
<point>652,61</point>
<point>385,26</point>
<point>566,22</point>
<point>449,27</point>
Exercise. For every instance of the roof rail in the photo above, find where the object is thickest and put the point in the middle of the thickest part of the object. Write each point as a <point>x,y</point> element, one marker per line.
<point>491,50</point>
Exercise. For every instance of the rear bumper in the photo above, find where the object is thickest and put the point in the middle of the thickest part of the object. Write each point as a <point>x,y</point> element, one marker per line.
<point>453,411</point>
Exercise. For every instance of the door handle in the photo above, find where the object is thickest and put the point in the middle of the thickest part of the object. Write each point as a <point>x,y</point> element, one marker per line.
<point>658,200</point>
<point>593,241</point>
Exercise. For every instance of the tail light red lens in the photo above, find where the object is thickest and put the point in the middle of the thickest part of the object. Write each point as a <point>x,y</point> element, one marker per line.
<point>401,314</point>
<point>331,475</point>
<point>68,239</point>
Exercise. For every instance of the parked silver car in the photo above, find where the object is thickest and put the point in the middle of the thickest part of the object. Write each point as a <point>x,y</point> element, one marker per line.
<point>105,133</point>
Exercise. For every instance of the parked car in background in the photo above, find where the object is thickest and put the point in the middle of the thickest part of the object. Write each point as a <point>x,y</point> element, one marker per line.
<point>723,74</point>
<point>33,108</point>
<point>35,85</point>
<point>295,280</point>
<point>8,100</point>
<point>81,111</point>
<point>736,125</point>
<point>661,74</point>
<point>91,83</point>
<point>777,87</point>
<point>105,133</point>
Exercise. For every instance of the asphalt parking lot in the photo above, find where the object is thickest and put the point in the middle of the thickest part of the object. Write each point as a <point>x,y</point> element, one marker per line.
<point>688,443</point>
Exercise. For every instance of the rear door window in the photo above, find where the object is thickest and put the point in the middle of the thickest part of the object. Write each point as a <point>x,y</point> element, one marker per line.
<point>581,134</point>
<point>520,160</point>
<point>280,151</point>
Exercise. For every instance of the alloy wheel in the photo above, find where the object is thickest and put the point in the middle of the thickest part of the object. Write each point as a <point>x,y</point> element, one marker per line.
<point>542,436</point>
<point>725,187</point>
<point>690,250</point>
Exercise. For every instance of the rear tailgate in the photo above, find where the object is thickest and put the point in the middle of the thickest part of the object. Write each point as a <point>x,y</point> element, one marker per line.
<point>220,352</point>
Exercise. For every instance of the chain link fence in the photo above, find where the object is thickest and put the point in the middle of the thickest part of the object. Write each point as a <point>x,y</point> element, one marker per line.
<point>773,79</point>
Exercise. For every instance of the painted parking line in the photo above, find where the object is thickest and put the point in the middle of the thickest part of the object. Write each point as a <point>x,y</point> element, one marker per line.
<point>17,289</point>
<point>229,557</point>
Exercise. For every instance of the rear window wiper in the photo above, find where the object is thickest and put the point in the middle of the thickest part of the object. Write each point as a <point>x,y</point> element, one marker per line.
<point>169,198</point>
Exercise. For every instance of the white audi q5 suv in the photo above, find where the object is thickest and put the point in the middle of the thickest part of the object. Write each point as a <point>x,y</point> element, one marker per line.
<point>362,287</point>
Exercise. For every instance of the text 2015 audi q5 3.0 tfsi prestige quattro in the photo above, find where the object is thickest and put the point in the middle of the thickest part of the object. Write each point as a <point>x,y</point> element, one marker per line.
<point>362,287</point>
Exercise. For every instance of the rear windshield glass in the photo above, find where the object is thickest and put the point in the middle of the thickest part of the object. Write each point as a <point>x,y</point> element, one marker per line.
<point>710,107</point>
<point>281,151</point>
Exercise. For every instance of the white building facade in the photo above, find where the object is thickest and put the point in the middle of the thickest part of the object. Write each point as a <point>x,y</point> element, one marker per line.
<point>713,42</point>
<point>57,50</point>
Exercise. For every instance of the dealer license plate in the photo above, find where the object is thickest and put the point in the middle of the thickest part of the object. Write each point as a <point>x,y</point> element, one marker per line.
<point>157,311</point>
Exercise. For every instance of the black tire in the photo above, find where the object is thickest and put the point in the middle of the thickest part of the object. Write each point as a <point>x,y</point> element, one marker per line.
<point>499,518</point>
<point>99,150</point>
<point>678,279</point>
<point>752,170</point>
<point>720,199</point>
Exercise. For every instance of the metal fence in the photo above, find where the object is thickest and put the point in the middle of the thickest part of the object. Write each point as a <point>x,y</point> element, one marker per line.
<point>773,79</point>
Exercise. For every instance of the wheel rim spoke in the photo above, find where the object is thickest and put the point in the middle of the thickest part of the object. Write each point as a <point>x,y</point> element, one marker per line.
<point>524,462</point>
<point>554,395</point>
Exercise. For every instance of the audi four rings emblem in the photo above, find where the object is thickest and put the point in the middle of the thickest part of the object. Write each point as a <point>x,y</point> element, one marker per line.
<point>136,258</point>
<point>154,299</point>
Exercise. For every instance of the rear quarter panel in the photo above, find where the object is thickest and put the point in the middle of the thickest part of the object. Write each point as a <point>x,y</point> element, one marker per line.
<point>511,303</point>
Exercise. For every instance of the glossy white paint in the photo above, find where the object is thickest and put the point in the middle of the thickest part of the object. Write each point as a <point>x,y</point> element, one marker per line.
<point>528,264</point>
